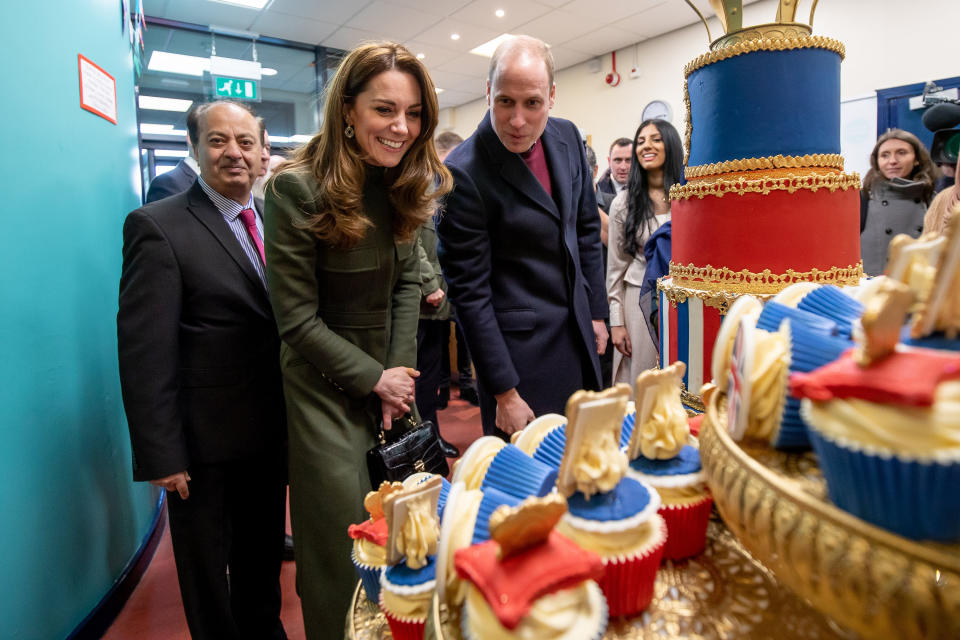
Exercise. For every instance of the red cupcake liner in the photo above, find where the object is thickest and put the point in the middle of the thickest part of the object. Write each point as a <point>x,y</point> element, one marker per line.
<point>404,629</point>
<point>628,583</point>
<point>686,528</point>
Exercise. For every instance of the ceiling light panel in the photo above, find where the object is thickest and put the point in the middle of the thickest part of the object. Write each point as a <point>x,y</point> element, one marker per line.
<point>164,104</point>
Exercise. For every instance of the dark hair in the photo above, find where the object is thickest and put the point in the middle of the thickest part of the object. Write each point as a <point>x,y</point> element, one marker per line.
<point>924,171</point>
<point>621,142</point>
<point>447,141</point>
<point>198,111</point>
<point>591,156</point>
<point>640,209</point>
<point>336,161</point>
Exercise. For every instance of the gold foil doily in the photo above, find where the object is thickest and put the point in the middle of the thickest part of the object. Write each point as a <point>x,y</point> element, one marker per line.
<point>721,594</point>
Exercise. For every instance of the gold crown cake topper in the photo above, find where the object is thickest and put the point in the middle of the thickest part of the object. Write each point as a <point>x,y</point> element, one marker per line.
<point>730,13</point>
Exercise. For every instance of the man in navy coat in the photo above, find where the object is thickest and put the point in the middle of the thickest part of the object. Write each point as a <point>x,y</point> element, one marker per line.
<point>520,247</point>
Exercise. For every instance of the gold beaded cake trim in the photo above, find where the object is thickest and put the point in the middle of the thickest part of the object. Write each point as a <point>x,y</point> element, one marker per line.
<point>822,160</point>
<point>749,46</point>
<point>719,300</point>
<point>726,280</point>
<point>764,185</point>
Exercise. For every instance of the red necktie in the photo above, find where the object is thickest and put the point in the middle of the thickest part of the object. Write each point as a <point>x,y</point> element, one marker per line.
<point>249,218</point>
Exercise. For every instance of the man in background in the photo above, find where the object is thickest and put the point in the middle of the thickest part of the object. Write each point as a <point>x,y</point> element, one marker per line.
<point>182,176</point>
<point>200,376</point>
<point>617,175</point>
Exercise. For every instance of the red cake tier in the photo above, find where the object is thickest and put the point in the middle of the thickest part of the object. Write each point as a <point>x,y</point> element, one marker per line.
<point>796,225</point>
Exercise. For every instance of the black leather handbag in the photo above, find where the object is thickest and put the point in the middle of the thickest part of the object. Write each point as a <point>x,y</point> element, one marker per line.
<point>407,448</point>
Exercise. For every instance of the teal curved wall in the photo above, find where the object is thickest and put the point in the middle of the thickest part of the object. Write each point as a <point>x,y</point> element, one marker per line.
<point>70,516</point>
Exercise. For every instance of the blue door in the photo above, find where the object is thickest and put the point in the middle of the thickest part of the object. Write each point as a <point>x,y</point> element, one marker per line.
<point>894,112</point>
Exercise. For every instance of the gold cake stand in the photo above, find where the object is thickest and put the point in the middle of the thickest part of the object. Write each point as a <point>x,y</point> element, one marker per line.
<point>869,580</point>
<point>721,594</point>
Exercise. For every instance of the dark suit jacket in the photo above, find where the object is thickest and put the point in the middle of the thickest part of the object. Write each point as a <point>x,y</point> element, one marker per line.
<point>198,344</point>
<point>606,191</point>
<point>524,269</point>
<point>175,181</point>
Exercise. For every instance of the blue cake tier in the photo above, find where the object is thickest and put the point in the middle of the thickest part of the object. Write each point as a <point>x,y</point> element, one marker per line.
<point>765,103</point>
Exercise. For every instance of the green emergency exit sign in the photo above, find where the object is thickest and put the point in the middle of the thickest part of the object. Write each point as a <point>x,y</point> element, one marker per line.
<point>236,88</point>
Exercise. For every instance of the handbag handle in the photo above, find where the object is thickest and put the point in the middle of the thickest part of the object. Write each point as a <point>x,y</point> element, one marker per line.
<point>382,437</point>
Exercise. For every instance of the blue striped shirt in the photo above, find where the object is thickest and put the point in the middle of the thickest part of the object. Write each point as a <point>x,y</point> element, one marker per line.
<point>230,210</point>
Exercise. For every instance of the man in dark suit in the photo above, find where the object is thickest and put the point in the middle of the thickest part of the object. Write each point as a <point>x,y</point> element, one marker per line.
<point>617,175</point>
<point>520,242</point>
<point>182,176</point>
<point>199,353</point>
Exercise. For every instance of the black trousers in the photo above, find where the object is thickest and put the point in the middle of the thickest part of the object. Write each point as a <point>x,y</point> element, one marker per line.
<point>430,339</point>
<point>228,547</point>
<point>464,363</point>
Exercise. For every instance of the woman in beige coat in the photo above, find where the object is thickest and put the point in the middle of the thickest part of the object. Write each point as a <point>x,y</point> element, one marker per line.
<point>635,214</point>
<point>341,225</point>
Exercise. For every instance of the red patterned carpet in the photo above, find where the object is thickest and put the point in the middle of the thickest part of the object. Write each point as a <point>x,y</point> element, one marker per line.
<point>154,611</point>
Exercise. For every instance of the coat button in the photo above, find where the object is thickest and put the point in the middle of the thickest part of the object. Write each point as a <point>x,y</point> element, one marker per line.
<point>919,229</point>
<point>917,200</point>
<point>884,203</point>
<point>889,231</point>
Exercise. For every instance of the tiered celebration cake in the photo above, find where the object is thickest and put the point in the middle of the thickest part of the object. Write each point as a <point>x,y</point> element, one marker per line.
<point>766,202</point>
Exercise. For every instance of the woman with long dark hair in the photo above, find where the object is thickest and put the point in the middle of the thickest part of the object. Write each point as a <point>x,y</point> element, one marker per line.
<point>634,215</point>
<point>341,225</point>
<point>896,191</point>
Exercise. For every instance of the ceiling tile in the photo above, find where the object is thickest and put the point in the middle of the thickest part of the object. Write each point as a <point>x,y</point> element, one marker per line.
<point>660,19</point>
<point>347,38</point>
<point>565,56</point>
<point>467,64</point>
<point>326,10</point>
<point>455,98</point>
<point>212,13</point>
<point>432,53</point>
<point>451,80</point>
<point>445,7</point>
<point>481,13</point>
<point>470,35</point>
<point>555,27</point>
<point>401,23</point>
<point>297,29</point>
<point>603,40</point>
<point>603,12</point>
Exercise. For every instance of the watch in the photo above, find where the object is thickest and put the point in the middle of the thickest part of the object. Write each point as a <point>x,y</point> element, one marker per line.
<point>657,109</point>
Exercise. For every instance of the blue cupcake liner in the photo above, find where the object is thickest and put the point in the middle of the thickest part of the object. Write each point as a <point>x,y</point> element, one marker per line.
<point>514,472</point>
<point>369,577</point>
<point>491,501</point>
<point>442,498</point>
<point>809,350</point>
<point>550,450</point>
<point>774,313</point>
<point>918,500</point>
<point>627,430</point>
<point>832,303</point>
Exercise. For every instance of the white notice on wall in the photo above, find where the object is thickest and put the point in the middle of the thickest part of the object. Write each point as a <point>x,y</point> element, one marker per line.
<point>98,90</point>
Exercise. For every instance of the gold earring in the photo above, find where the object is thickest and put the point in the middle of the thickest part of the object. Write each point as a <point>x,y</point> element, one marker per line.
<point>348,131</point>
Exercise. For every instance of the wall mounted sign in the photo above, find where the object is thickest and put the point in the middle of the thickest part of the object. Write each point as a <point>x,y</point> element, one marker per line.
<point>98,90</point>
<point>236,88</point>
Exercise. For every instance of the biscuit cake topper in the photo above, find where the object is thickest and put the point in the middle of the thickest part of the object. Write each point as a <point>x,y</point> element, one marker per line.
<point>661,428</point>
<point>411,515</point>
<point>527,524</point>
<point>940,311</point>
<point>373,501</point>
<point>592,461</point>
<point>882,321</point>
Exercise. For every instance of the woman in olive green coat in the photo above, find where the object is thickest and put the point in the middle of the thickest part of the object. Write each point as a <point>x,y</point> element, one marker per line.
<point>341,225</point>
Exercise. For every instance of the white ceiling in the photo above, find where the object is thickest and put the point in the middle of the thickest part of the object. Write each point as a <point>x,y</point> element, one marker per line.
<point>577,30</point>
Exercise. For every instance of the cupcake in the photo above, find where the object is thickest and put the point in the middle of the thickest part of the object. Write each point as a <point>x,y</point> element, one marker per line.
<point>885,423</point>
<point>662,457</point>
<point>743,307</point>
<point>609,514</point>
<point>529,581</point>
<point>774,313</point>
<point>544,439</point>
<point>514,472</point>
<point>465,522</point>
<point>369,537</point>
<point>472,466</point>
<point>833,304</point>
<point>423,476</point>
<point>408,582</point>
<point>629,421</point>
